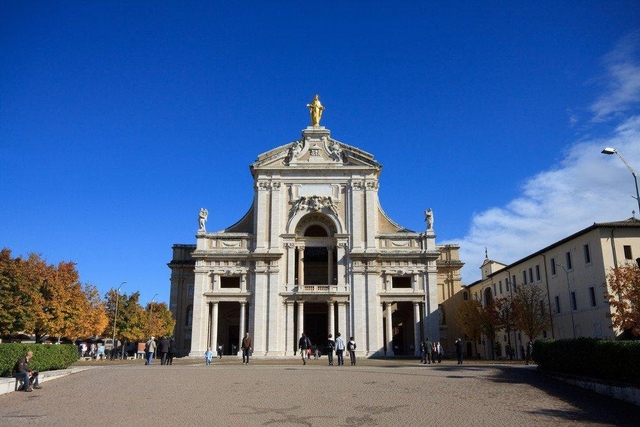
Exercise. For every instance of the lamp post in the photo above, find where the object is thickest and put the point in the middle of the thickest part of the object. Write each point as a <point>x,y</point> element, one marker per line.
<point>115,315</point>
<point>610,151</point>
<point>573,326</point>
<point>151,314</point>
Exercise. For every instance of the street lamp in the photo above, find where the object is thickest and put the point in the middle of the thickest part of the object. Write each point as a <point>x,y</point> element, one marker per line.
<point>609,151</point>
<point>115,315</point>
<point>151,314</point>
<point>573,326</point>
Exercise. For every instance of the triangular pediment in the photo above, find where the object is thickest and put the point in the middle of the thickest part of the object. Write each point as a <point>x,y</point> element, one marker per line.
<point>316,148</point>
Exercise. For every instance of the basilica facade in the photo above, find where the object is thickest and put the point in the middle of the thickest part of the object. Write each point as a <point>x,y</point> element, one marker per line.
<point>315,253</point>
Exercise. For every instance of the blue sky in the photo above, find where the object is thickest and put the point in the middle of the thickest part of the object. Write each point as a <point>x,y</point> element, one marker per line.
<point>119,120</point>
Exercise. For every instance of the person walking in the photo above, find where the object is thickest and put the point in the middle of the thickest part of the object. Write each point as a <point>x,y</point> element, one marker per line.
<point>439,351</point>
<point>151,349</point>
<point>208,356</point>
<point>331,344</point>
<point>246,347</point>
<point>26,374</point>
<point>351,346</point>
<point>340,349</point>
<point>163,348</point>
<point>428,351</point>
<point>459,350</point>
<point>304,344</point>
<point>529,351</point>
<point>172,351</point>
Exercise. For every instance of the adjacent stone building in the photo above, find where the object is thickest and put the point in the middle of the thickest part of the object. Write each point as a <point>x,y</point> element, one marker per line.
<point>315,253</point>
<point>573,275</point>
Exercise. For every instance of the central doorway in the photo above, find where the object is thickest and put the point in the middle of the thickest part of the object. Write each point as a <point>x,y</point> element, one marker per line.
<point>316,326</point>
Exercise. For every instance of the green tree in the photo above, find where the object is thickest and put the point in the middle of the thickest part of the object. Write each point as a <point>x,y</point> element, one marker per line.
<point>131,322</point>
<point>624,297</point>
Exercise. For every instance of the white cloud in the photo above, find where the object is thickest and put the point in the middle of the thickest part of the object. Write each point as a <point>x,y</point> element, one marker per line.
<point>623,80</point>
<point>586,187</point>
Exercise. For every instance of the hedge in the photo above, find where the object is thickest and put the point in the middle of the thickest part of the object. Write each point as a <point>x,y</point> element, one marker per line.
<point>45,357</point>
<point>590,357</point>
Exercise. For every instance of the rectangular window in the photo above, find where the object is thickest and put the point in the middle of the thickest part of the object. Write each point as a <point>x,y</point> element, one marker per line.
<point>537,273</point>
<point>553,266</point>
<point>587,254</point>
<point>230,282</point>
<point>494,290</point>
<point>524,277</point>
<point>513,281</point>
<point>506,283</point>
<point>542,308</point>
<point>401,282</point>
<point>558,305</point>
<point>574,303</point>
<point>530,275</point>
<point>592,296</point>
<point>500,285</point>
<point>190,290</point>
<point>569,264</point>
<point>627,252</point>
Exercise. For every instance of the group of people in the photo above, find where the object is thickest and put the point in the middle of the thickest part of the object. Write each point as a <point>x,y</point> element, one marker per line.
<point>338,345</point>
<point>165,347</point>
<point>431,351</point>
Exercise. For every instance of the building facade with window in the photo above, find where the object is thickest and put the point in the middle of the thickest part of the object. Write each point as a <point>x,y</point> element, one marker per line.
<point>315,253</point>
<point>572,272</point>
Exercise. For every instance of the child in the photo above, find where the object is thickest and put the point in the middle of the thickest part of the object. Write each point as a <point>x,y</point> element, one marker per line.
<point>208,356</point>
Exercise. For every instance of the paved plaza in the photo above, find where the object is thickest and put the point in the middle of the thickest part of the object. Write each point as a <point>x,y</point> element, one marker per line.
<point>285,393</point>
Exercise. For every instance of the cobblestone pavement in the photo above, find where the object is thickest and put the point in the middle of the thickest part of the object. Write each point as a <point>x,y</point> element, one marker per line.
<point>285,393</point>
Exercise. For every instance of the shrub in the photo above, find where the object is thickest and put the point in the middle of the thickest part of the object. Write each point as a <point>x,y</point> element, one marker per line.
<point>45,357</point>
<point>590,357</point>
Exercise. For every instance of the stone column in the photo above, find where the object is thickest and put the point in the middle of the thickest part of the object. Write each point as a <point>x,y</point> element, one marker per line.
<point>200,313</point>
<point>243,326</point>
<point>342,320</point>
<point>416,329</point>
<point>290,337</point>
<point>300,266</point>
<point>330,266</point>
<point>291,265</point>
<point>332,318</point>
<point>389,327</point>
<point>213,343</point>
<point>300,319</point>
<point>342,264</point>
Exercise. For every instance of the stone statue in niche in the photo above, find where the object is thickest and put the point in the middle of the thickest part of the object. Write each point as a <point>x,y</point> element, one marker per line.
<point>202,219</point>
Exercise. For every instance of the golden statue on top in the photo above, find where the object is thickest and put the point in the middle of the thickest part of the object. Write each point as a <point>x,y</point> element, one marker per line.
<point>315,110</point>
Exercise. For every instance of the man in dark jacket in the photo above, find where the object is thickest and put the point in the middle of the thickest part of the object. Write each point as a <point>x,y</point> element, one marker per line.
<point>246,348</point>
<point>25,373</point>
<point>163,348</point>
<point>304,344</point>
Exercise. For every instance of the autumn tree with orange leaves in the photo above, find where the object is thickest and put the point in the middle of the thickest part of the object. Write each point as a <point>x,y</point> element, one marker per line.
<point>625,298</point>
<point>161,322</point>
<point>42,299</point>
